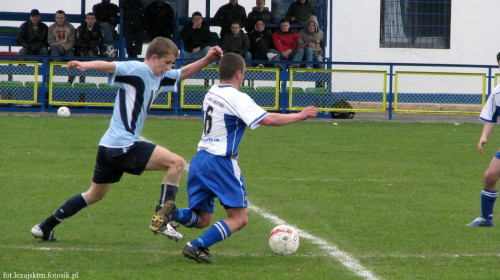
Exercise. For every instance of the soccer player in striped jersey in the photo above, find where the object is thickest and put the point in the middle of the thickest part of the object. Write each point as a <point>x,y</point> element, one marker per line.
<point>489,115</point>
<point>120,149</point>
<point>214,170</point>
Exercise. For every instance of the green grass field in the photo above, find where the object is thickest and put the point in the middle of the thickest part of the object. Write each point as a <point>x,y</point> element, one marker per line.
<point>395,197</point>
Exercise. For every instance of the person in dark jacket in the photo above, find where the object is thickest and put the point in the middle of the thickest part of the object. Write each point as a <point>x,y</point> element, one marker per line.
<point>32,36</point>
<point>133,30</point>
<point>300,11</point>
<point>89,38</point>
<point>261,43</point>
<point>227,14</point>
<point>259,12</point>
<point>196,37</point>
<point>237,42</point>
<point>108,16</point>
<point>159,20</point>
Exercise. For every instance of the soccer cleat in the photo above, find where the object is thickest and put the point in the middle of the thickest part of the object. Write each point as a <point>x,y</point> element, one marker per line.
<point>163,215</point>
<point>481,222</point>
<point>38,232</point>
<point>199,254</point>
<point>170,231</point>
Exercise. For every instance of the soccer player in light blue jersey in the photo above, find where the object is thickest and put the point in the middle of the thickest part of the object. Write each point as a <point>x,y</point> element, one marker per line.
<point>489,115</point>
<point>120,149</point>
<point>214,170</point>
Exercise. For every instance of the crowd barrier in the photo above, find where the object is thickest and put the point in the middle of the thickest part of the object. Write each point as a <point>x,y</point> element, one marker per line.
<point>40,85</point>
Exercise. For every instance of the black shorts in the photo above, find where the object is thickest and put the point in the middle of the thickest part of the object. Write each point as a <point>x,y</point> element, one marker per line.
<point>111,163</point>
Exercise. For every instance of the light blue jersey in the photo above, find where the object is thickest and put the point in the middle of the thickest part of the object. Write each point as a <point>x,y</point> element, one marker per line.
<point>138,88</point>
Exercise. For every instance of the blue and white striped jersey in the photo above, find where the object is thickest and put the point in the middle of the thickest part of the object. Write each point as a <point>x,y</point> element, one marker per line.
<point>491,108</point>
<point>226,113</point>
<point>138,87</point>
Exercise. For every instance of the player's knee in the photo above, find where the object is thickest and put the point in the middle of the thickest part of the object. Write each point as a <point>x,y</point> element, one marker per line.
<point>242,222</point>
<point>179,164</point>
<point>92,198</point>
<point>490,176</point>
<point>202,223</point>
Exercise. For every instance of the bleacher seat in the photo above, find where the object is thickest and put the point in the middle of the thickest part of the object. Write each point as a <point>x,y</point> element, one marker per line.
<point>247,89</point>
<point>11,84</point>
<point>295,90</point>
<point>85,85</point>
<point>107,87</point>
<point>32,84</point>
<point>263,89</point>
<point>317,91</point>
<point>62,85</point>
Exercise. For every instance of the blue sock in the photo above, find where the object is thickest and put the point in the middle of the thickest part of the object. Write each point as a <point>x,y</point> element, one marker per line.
<point>487,203</point>
<point>68,209</point>
<point>186,217</point>
<point>217,232</point>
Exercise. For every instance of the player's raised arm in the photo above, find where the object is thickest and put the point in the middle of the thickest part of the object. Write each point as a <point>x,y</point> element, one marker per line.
<point>98,65</point>
<point>487,129</point>
<point>276,119</point>
<point>195,67</point>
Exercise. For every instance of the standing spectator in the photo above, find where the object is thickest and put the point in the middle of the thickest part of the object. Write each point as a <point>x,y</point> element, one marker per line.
<point>300,11</point>
<point>197,38</point>
<point>286,42</point>
<point>90,38</point>
<point>159,20</point>
<point>108,16</point>
<point>61,36</point>
<point>133,31</point>
<point>259,12</point>
<point>261,43</point>
<point>237,42</point>
<point>311,40</point>
<point>32,36</point>
<point>227,14</point>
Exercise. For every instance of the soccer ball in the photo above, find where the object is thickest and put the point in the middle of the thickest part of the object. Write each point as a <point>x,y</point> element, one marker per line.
<point>284,240</point>
<point>63,111</point>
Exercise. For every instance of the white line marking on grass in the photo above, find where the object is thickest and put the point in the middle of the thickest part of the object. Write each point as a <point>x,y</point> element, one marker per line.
<point>344,258</point>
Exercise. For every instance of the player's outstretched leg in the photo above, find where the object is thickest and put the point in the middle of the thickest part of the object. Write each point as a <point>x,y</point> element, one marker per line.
<point>46,235</point>
<point>481,222</point>
<point>199,254</point>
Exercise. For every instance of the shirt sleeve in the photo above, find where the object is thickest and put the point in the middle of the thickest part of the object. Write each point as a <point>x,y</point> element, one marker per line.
<point>490,109</point>
<point>249,111</point>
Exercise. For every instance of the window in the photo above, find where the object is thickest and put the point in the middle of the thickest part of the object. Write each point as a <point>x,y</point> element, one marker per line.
<point>415,24</point>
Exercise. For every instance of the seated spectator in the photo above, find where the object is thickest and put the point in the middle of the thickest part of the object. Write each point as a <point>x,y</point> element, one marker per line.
<point>259,12</point>
<point>197,38</point>
<point>227,14</point>
<point>90,38</point>
<point>159,20</point>
<point>133,30</point>
<point>237,42</point>
<point>108,16</point>
<point>261,43</point>
<point>32,36</point>
<point>311,40</point>
<point>61,37</point>
<point>286,42</point>
<point>299,12</point>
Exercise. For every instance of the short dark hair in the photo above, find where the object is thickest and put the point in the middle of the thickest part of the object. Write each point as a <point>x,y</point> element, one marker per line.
<point>61,12</point>
<point>90,14</point>
<point>284,20</point>
<point>229,64</point>
<point>196,14</point>
<point>236,22</point>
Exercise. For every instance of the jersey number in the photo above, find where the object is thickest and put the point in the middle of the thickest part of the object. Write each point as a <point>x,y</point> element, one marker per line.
<point>208,120</point>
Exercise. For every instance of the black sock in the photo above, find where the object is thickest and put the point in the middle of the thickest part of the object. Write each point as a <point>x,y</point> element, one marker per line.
<point>168,192</point>
<point>68,209</point>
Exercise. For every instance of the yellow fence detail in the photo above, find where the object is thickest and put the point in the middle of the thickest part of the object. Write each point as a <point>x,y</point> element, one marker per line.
<point>18,82</point>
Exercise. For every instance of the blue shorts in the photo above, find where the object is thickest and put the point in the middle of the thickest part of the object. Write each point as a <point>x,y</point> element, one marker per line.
<point>497,155</point>
<point>213,176</point>
<point>111,163</point>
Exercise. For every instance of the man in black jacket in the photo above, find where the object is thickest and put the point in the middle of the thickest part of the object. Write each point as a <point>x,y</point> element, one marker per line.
<point>32,36</point>
<point>196,37</point>
<point>261,43</point>
<point>133,30</point>
<point>89,38</point>
<point>159,20</point>
<point>227,14</point>
<point>259,12</point>
<point>108,16</point>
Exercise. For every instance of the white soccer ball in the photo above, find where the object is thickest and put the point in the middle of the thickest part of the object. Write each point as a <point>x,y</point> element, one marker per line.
<point>284,240</point>
<point>63,111</point>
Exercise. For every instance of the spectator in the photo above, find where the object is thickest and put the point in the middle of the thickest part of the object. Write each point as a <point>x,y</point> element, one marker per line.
<point>299,12</point>
<point>261,43</point>
<point>32,36</point>
<point>133,30</point>
<point>286,42</point>
<point>237,42</point>
<point>227,14</point>
<point>259,12</point>
<point>90,38</point>
<point>108,16</point>
<point>311,40</point>
<point>197,38</point>
<point>61,36</point>
<point>159,20</point>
